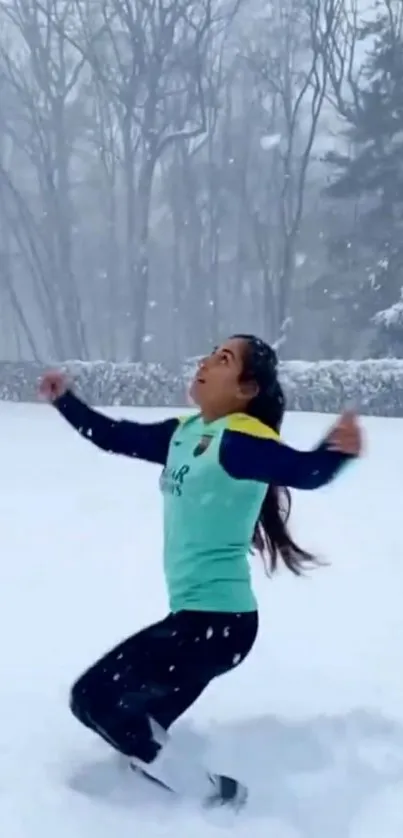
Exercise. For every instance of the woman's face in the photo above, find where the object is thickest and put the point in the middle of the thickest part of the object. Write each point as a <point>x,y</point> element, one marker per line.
<point>217,388</point>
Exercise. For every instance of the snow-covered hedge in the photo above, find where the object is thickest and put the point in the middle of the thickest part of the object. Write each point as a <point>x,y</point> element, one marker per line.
<point>373,387</point>
<point>100,382</point>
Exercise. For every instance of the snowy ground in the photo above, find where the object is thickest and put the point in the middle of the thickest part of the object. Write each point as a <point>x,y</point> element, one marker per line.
<point>313,721</point>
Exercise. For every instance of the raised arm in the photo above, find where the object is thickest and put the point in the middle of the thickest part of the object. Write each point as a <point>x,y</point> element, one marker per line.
<point>133,439</point>
<point>118,436</point>
<point>247,456</point>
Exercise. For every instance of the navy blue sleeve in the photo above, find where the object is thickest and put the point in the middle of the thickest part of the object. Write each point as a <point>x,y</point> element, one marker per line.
<point>134,439</point>
<point>247,457</point>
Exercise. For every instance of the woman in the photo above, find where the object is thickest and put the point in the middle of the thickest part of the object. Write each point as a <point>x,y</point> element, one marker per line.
<point>221,470</point>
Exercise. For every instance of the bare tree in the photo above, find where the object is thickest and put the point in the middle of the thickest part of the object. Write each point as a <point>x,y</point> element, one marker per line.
<point>43,77</point>
<point>195,188</point>
<point>149,56</point>
<point>288,66</point>
<point>345,49</point>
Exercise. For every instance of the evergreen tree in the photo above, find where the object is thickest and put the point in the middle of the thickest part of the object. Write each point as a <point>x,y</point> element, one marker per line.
<point>366,251</point>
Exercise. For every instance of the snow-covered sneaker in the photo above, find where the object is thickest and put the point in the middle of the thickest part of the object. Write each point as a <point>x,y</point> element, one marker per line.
<point>146,776</point>
<point>226,792</point>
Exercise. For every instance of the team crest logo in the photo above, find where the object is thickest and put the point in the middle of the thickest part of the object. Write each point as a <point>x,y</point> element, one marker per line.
<point>202,445</point>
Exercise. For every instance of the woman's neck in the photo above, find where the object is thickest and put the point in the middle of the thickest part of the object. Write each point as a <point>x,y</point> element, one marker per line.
<point>210,416</point>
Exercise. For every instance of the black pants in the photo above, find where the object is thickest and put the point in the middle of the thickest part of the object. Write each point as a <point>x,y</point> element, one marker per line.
<point>159,673</point>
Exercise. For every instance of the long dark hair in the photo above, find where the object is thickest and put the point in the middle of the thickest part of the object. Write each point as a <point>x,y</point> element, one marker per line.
<point>271,537</point>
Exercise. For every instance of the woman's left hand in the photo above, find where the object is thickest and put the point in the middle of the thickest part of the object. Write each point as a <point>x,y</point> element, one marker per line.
<point>346,436</point>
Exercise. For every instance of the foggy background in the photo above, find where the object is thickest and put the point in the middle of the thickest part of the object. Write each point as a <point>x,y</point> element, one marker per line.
<point>175,170</point>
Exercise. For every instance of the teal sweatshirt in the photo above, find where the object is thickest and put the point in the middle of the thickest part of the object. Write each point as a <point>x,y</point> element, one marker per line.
<point>214,479</point>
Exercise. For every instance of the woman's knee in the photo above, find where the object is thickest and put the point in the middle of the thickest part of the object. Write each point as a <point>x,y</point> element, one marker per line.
<point>80,701</point>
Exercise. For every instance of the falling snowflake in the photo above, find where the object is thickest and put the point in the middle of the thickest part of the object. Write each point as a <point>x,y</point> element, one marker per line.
<point>300,259</point>
<point>269,141</point>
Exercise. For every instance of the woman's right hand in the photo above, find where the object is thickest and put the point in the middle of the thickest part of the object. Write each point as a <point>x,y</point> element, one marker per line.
<point>53,385</point>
